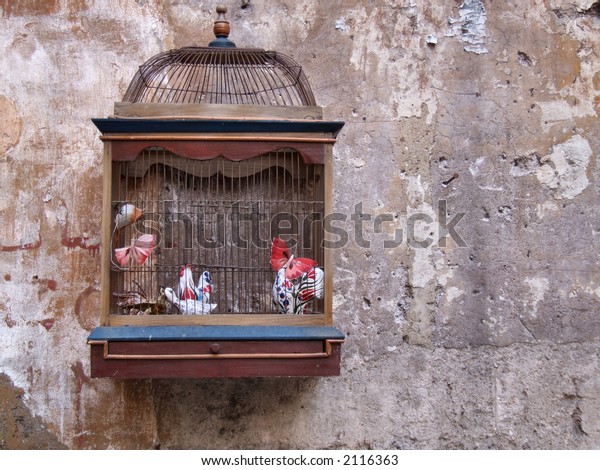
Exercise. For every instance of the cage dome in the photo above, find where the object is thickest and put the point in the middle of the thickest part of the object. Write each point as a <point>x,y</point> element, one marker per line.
<point>221,74</point>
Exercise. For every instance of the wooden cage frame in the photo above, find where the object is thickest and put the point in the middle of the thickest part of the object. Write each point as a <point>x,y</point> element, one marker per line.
<point>205,131</point>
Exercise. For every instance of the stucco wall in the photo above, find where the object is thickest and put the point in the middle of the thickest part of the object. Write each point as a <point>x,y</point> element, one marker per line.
<point>488,338</point>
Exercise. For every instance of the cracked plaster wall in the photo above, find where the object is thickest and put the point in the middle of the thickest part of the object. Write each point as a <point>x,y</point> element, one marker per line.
<point>483,112</point>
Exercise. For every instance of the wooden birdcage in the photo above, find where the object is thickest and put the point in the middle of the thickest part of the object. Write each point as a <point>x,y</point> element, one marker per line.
<point>214,153</point>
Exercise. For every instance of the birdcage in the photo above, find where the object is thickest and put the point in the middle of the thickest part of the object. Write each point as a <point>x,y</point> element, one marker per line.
<point>217,167</point>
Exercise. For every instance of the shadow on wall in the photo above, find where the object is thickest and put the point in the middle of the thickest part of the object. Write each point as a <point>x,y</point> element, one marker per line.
<point>257,413</point>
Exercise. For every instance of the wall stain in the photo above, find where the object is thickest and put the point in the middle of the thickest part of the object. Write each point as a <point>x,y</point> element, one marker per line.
<point>21,247</point>
<point>91,244</point>
<point>11,127</point>
<point>9,321</point>
<point>81,379</point>
<point>45,285</point>
<point>81,242</point>
<point>29,7</point>
<point>86,318</point>
<point>47,323</point>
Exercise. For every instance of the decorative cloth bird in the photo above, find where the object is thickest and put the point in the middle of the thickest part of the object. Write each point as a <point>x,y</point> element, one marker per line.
<point>293,297</point>
<point>205,287</point>
<point>137,253</point>
<point>189,306</point>
<point>190,297</point>
<point>298,280</point>
<point>127,215</point>
<point>294,267</point>
<point>186,289</point>
<point>140,248</point>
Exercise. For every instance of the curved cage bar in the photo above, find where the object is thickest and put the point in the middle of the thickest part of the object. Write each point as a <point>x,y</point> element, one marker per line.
<point>211,75</point>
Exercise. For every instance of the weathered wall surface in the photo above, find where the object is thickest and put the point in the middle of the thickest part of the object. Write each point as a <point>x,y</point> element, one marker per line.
<point>486,339</point>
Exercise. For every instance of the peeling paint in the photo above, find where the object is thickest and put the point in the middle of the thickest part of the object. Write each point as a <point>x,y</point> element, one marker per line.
<point>547,208</point>
<point>453,293</point>
<point>577,5</point>
<point>561,111</point>
<point>341,25</point>
<point>470,26</point>
<point>431,39</point>
<point>564,170</point>
<point>475,167</point>
<point>538,286</point>
<point>525,165</point>
<point>577,288</point>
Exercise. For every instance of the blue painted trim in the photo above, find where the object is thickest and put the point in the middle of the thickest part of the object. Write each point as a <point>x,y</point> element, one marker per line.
<point>214,333</point>
<point>198,126</point>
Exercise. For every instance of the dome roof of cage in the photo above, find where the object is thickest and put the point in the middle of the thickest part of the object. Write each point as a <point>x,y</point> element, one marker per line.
<point>221,74</point>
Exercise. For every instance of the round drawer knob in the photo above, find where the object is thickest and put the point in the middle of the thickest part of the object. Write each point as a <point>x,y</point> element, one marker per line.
<point>215,348</point>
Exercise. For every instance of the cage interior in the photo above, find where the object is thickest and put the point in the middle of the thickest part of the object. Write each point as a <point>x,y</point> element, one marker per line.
<point>218,216</point>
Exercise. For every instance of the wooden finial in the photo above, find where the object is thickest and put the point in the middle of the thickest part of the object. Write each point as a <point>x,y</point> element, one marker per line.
<point>221,27</point>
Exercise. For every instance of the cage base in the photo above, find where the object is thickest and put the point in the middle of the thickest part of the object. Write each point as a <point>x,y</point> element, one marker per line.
<point>215,351</point>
